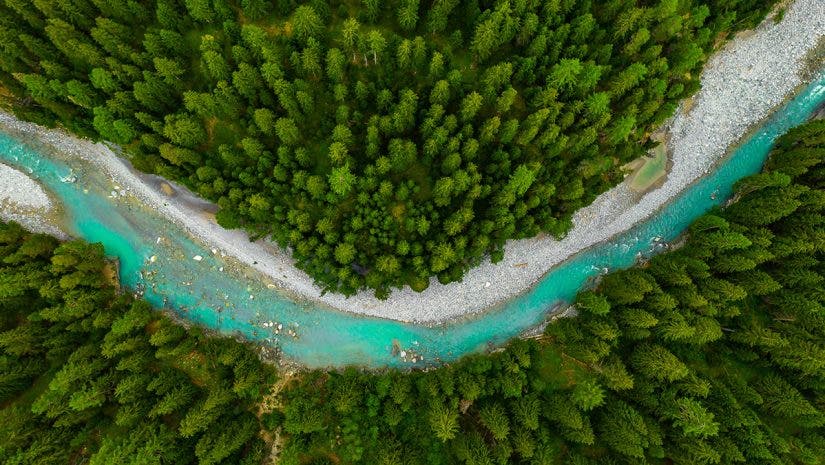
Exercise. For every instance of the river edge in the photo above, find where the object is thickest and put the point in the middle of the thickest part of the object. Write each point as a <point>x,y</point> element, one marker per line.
<point>568,310</point>
<point>24,200</point>
<point>488,286</point>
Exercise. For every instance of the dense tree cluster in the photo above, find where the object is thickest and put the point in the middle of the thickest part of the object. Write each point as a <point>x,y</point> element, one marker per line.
<point>713,353</point>
<point>384,142</point>
<point>710,354</point>
<point>91,376</point>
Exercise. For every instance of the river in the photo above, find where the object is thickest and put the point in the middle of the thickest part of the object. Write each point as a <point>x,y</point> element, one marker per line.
<point>173,270</point>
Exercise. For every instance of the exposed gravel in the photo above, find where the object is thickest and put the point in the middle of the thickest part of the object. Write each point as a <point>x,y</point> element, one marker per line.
<point>24,201</point>
<point>741,86</point>
<point>20,191</point>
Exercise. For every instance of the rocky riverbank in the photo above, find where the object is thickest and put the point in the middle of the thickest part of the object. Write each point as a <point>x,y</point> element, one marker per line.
<point>23,200</point>
<point>17,190</point>
<point>742,84</point>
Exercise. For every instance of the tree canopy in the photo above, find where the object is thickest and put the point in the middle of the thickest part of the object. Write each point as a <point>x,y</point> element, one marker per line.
<point>90,375</point>
<point>422,135</point>
<point>713,353</point>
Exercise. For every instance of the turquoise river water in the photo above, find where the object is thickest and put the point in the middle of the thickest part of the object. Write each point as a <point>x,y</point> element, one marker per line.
<point>238,302</point>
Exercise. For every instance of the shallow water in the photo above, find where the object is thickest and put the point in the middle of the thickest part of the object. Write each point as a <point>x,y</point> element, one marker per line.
<point>239,303</point>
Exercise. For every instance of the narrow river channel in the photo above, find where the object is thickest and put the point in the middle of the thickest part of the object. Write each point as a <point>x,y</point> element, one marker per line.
<point>176,272</point>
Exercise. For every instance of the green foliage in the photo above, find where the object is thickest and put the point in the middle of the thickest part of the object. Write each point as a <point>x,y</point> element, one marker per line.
<point>85,376</point>
<point>467,123</point>
<point>676,361</point>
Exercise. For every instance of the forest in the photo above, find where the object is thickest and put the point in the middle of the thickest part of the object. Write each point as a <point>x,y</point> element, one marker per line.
<point>90,375</point>
<point>383,142</point>
<point>712,353</point>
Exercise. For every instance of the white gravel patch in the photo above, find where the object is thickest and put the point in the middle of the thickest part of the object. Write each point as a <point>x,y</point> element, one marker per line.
<point>24,201</point>
<point>742,84</point>
<point>20,191</point>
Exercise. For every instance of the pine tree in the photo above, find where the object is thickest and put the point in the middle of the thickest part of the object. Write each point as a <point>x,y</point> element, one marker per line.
<point>656,362</point>
<point>306,22</point>
<point>494,418</point>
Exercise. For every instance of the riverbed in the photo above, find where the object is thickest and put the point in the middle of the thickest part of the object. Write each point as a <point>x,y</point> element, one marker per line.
<point>162,261</point>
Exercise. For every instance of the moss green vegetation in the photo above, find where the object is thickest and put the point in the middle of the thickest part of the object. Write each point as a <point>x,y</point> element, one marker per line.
<point>90,376</point>
<point>648,170</point>
<point>710,354</point>
<point>385,142</point>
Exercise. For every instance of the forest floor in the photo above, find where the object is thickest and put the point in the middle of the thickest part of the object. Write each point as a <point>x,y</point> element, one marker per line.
<point>741,85</point>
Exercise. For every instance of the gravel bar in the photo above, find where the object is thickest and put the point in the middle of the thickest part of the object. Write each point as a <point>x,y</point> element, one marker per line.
<point>741,85</point>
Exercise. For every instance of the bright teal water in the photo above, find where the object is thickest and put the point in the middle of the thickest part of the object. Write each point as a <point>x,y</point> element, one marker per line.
<point>199,292</point>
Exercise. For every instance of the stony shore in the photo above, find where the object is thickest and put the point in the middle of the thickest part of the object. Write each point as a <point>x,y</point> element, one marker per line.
<point>742,84</point>
<point>23,200</point>
<point>17,190</point>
